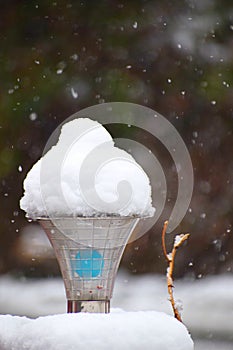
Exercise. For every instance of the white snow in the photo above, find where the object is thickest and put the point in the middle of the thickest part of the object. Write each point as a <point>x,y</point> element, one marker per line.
<point>74,93</point>
<point>33,116</point>
<point>118,330</point>
<point>178,239</point>
<point>207,303</point>
<point>80,175</point>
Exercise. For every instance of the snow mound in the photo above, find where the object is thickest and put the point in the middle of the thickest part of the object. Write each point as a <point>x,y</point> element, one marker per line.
<point>84,174</point>
<point>117,330</point>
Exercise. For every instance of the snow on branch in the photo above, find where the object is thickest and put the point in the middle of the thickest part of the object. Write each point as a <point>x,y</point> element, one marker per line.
<point>170,257</point>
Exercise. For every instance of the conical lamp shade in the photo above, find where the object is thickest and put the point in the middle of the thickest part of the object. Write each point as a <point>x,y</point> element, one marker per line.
<point>89,251</point>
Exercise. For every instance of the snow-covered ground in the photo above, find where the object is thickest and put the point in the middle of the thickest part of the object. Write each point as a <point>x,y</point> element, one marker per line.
<point>207,303</point>
<point>118,330</point>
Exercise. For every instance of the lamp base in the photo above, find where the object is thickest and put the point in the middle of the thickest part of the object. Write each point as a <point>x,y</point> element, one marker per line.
<point>94,306</point>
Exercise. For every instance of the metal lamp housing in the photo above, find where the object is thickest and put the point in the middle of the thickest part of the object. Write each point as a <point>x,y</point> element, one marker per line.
<point>89,250</point>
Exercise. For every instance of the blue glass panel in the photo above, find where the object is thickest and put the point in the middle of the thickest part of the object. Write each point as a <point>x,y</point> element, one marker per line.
<point>89,263</point>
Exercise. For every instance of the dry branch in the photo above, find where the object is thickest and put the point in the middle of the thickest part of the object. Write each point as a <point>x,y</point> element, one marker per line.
<point>179,240</point>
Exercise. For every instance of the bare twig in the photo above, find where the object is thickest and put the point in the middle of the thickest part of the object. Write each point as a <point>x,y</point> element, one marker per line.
<point>163,240</point>
<point>179,240</point>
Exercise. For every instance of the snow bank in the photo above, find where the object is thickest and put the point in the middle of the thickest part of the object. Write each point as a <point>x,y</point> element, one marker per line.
<point>119,330</point>
<point>85,174</point>
<point>207,303</point>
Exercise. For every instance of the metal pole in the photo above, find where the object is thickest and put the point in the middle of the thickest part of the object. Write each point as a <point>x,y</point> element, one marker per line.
<point>95,306</point>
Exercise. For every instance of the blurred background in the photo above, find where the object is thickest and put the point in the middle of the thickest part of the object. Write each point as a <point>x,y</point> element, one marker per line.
<point>58,57</point>
<point>175,57</point>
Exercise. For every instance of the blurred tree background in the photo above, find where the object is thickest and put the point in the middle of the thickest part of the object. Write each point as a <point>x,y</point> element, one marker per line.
<point>175,57</point>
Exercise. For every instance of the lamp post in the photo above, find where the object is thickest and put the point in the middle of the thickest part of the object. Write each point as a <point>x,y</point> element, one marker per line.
<point>89,250</point>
